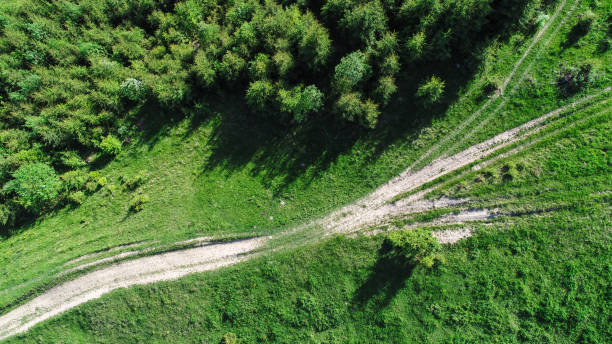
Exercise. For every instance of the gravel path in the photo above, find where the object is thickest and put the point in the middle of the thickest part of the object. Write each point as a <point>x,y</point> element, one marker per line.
<point>163,267</point>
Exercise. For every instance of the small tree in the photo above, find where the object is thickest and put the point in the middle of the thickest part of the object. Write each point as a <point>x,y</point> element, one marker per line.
<point>351,70</point>
<point>385,89</point>
<point>417,246</point>
<point>300,101</point>
<point>432,90</point>
<point>36,185</point>
<point>260,94</point>
<point>259,66</point>
<point>110,145</point>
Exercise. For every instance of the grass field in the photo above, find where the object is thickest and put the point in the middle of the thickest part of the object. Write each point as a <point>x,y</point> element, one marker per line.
<point>530,278</point>
<point>235,177</point>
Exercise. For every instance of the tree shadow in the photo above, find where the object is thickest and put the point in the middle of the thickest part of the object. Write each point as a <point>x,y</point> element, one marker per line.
<point>578,31</point>
<point>282,154</point>
<point>387,277</point>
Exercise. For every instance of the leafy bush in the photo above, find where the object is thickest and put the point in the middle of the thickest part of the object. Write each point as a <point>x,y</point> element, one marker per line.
<point>36,186</point>
<point>138,202</point>
<point>133,182</point>
<point>110,145</point>
<point>417,246</point>
<point>432,90</point>
<point>133,90</point>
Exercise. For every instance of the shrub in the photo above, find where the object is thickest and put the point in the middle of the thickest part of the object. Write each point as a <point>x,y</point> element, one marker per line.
<point>138,202</point>
<point>571,80</point>
<point>77,197</point>
<point>416,246</point>
<point>133,90</point>
<point>131,183</point>
<point>36,185</point>
<point>432,90</point>
<point>110,145</point>
<point>72,160</point>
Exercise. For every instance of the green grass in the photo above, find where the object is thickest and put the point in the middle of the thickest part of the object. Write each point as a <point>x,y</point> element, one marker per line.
<point>232,176</point>
<point>532,279</point>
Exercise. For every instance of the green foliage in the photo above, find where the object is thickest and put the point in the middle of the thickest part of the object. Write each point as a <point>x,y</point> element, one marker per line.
<point>417,246</point>
<point>133,90</point>
<point>36,186</point>
<point>432,90</point>
<point>137,203</point>
<point>353,109</point>
<point>260,95</point>
<point>110,145</point>
<point>350,71</point>
<point>131,183</point>
<point>366,21</point>
<point>572,79</point>
<point>259,68</point>
<point>385,89</point>
<point>300,101</point>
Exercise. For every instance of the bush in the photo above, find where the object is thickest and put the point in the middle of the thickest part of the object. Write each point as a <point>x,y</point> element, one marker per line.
<point>77,197</point>
<point>131,183</point>
<point>36,185</point>
<point>133,90</point>
<point>110,145</point>
<point>416,246</point>
<point>432,90</point>
<point>138,202</point>
<point>571,80</point>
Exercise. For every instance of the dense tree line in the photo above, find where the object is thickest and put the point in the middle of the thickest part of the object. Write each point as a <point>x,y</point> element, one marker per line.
<point>73,73</point>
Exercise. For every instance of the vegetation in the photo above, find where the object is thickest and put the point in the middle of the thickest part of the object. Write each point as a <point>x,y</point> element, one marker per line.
<point>199,118</point>
<point>78,76</point>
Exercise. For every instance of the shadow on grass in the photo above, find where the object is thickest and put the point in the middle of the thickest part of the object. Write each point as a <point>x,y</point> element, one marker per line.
<point>387,278</point>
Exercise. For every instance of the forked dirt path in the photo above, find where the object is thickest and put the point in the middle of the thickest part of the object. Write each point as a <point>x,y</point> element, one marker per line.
<point>172,265</point>
<point>372,209</point>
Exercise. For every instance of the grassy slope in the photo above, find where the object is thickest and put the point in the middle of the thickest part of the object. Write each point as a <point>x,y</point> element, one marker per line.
<point>528,279</point>
<point>205,194</point>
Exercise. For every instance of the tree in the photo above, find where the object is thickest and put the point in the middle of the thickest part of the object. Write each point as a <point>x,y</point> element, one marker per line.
<point>351,108</point>
<point>260,94</point>
<point>350,71</point>
<point>385,89</point>
<point>366,21</point>
<point>416,246</point>
<point>36,185</point>
<point>300,101</point>
<point>259,66</point>
<point>432,90</point>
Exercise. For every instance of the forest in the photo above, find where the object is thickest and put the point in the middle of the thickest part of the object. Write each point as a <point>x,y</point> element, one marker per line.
<point>76,76</point>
